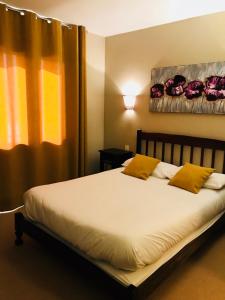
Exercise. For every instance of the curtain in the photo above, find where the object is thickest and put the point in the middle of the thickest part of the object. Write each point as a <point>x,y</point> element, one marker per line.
<point>42,103</point>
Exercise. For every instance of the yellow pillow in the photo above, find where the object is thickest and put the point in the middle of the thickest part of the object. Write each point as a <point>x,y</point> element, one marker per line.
<point>141,166</point>
<point>191,177</point>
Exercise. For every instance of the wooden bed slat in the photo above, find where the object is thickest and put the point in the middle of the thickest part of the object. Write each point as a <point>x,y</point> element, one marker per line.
<point>202,156</point>
<point>146,147</point>
<point>181,154</point>
<point>213,158</point>
<point>154,153</point>
<point>191,154</point>
<point>138,141</point>
<point>182,140</point>
<point>224,162</point>
<point>163,151</point>
<point>171,153</point>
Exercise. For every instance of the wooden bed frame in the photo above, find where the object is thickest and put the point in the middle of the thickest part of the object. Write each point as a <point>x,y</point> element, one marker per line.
<point>144,140</point>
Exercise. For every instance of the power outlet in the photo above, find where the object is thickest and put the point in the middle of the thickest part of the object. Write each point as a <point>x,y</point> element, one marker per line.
<point>127,147</point>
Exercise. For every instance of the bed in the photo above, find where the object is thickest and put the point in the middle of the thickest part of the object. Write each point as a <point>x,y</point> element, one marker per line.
<point>143,249</point>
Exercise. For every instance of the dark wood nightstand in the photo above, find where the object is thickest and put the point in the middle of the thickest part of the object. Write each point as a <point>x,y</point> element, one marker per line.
<point>113,158</point>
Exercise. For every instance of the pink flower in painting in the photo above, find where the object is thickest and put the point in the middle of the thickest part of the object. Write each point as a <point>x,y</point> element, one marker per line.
<point>169,82</point>
<point>157,90</point>
<point>221,84</point>
<point>194,89</point>
<point>213,94</point>
<point>222,94</point>
<point>215,88</point>
<point>177,90</point>
<point>179,80</point>
<point>174,86</point>
<point>212,82</point>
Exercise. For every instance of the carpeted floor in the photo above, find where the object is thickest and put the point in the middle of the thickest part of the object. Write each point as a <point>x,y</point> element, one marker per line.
<point>32,273</point>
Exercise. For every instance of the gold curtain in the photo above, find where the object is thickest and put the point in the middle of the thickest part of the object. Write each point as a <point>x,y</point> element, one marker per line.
<point>42,103</point>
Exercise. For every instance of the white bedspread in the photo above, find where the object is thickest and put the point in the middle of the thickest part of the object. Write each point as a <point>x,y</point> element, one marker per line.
<point>123,220</point>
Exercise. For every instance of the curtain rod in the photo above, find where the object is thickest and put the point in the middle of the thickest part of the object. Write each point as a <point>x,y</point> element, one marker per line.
<point>22,11</point>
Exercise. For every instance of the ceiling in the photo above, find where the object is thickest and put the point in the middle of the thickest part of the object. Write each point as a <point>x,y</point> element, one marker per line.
<point>111,17</point>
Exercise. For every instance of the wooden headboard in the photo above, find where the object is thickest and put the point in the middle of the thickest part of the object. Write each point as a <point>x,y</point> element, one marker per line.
<point>147,139</point>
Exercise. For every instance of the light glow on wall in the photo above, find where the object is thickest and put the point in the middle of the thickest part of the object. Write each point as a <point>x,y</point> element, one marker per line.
<point>131,88</point>
<point>129,101</point>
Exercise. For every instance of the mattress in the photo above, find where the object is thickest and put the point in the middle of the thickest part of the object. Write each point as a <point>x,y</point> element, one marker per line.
<point>124,221</point>
<point>137,277</point>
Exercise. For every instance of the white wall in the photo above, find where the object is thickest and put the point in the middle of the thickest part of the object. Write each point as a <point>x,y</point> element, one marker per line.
<point>95,99</point>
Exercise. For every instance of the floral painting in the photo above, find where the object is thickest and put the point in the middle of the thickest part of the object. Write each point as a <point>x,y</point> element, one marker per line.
<point>198,88</point>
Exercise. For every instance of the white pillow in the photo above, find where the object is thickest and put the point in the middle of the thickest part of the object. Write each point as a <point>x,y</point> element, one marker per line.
<point>165,170</point>
<point>215,181</point>
<point>126,162</point>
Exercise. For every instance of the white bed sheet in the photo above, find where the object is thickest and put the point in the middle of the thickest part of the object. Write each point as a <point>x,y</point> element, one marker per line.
<point>125,221</point>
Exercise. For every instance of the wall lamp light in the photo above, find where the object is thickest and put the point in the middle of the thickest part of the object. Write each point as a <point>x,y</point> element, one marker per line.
<point>129,101</point>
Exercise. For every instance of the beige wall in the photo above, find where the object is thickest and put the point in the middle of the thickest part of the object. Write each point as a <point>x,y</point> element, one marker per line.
<point>131,56</point>
<point>95,99</point>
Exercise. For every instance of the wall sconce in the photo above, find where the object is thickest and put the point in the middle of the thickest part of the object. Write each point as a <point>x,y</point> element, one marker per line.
<point>129,101</point>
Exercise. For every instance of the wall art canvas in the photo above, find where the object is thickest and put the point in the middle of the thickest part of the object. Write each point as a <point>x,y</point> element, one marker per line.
<point>197,88</point>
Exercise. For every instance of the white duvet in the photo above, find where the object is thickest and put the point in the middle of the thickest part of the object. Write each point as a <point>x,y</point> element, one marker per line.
<point>123,220</point>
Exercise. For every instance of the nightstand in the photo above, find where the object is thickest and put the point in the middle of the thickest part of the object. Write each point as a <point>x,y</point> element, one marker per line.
<point>113,158</point>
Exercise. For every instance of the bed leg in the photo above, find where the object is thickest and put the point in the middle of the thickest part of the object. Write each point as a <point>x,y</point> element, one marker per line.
<point>18,228</point>
<point>132,293</point>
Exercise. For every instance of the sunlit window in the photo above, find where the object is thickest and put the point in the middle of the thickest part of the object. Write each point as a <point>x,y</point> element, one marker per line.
<point>51,104</point>
<point>14,101</point>
<point>13,98</point>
